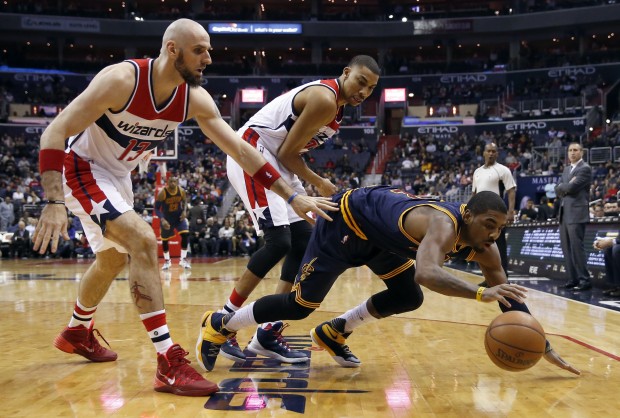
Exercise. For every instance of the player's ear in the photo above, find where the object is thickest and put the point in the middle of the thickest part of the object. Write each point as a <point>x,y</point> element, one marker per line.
<point>468,217</point>
<point>346,72</point>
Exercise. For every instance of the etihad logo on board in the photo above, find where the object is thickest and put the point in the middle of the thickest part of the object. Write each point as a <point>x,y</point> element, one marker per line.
<point>137,129</point>
<point>526,126</point>
<point>438,130</point>
<point>571,71</point>
<point>464,78</point>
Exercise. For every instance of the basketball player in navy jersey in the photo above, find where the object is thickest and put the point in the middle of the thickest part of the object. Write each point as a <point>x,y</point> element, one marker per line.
<point>386,229</point>
<point>288,126</point>
<point>170,207</point>
<point>125,112</point>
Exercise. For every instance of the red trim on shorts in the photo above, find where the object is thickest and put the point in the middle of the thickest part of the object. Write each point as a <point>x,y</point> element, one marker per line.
<point>82,183</point>
<point>256,192</point>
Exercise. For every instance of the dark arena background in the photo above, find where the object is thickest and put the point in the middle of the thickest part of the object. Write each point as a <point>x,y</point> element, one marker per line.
<point>530,76</point>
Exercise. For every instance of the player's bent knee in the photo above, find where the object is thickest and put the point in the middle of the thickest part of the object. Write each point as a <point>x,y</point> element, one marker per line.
<point>278,240</point>
<point>298,312</point>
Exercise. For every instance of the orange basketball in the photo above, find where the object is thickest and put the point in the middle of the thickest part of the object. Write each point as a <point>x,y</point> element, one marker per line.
<point>515,341</point>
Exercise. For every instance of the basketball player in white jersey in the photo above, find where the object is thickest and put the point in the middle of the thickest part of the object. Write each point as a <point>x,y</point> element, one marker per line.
<point>288,126</point>
<point>127,109</point>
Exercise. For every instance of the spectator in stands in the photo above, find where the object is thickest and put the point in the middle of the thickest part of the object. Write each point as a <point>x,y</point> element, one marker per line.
<point>7,214</point>
<point>225,237</point>
<point>66,247</point>
<point>544,210</point>
<point>529,212</point>
<point>611,207</point>
<point>574,192</point>
<point>597,211</point>
<point>148,218</point>
<point>209,243</point>
<point>611,248</point>
<point>197,232</point>
<point>20,241</point>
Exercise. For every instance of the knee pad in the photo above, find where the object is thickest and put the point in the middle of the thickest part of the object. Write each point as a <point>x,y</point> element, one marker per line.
<point>300,236</point>
<point>277,245</point>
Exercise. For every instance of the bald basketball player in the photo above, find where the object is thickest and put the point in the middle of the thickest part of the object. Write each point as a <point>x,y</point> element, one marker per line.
<point>125,112</point>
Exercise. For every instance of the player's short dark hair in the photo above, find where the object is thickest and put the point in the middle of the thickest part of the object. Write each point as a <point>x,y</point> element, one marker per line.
<point>365,61</point>
<point>482,202</point>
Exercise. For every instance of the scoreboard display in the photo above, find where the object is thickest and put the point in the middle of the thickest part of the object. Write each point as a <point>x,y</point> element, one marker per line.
<point>534,248</point>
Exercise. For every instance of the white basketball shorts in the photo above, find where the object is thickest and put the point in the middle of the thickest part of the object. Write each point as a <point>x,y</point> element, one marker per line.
<point>266,208</point>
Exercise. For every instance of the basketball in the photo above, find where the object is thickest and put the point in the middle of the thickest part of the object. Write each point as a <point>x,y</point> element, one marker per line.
<point>515,341</point>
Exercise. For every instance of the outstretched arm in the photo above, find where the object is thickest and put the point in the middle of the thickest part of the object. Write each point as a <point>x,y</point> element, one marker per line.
<point>491,266</point>
<point>439,239</point>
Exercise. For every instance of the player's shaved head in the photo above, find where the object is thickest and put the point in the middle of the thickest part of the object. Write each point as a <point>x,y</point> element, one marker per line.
<point>184,32</point>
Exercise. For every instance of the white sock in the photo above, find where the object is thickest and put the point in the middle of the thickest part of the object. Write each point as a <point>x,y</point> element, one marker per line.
<point>82,315</point>
<point>244,317</point>
<point>229,307</point>
<point>157,327</point>
<point>183,254</point>
<point>356,317</point>
<point>167,256</point>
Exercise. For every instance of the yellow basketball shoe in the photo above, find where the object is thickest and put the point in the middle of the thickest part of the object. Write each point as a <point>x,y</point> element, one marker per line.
<point>212,335</point>
<point>330,335</point>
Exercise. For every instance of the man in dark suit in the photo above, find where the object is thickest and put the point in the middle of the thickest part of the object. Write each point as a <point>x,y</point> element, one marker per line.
<point>574,190</point>
<point>20,242</point>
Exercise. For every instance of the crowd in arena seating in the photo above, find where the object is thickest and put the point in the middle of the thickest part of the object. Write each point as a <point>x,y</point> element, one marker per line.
<point>441,166</point>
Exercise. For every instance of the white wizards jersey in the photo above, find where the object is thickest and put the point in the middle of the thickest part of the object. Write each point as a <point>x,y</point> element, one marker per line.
<point>274,121</point>
<point>117,141</point>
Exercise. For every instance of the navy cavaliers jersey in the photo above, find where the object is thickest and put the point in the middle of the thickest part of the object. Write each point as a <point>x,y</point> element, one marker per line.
<point>376,214</point>
<point>117,141</point>
<point>172,205</point>
<point>274,121</point>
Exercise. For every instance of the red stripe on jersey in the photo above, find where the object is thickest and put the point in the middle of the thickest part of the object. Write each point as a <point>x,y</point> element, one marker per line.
<point>82,183</point>
<point>333,83</point>
<point>154,322</point>
<point>142,104</point>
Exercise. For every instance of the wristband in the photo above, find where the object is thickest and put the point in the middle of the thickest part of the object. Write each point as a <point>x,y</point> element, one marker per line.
<point>266,176</point>
<point>479,293</point>
<point>51,160</point>
<point>53,202</point>
<point>293,196</point>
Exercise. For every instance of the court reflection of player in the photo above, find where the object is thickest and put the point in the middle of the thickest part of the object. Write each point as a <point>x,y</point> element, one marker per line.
<point>170,207</point>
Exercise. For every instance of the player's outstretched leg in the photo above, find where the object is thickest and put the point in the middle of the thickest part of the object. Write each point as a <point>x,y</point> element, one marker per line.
<point>213,334</point>
<point>330,336</point>
<point>175,375</point>
<point>81,340</point>
<point>269,342</point>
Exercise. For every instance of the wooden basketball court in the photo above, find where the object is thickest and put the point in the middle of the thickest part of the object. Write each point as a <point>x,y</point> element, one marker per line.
<point>426,363</point>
